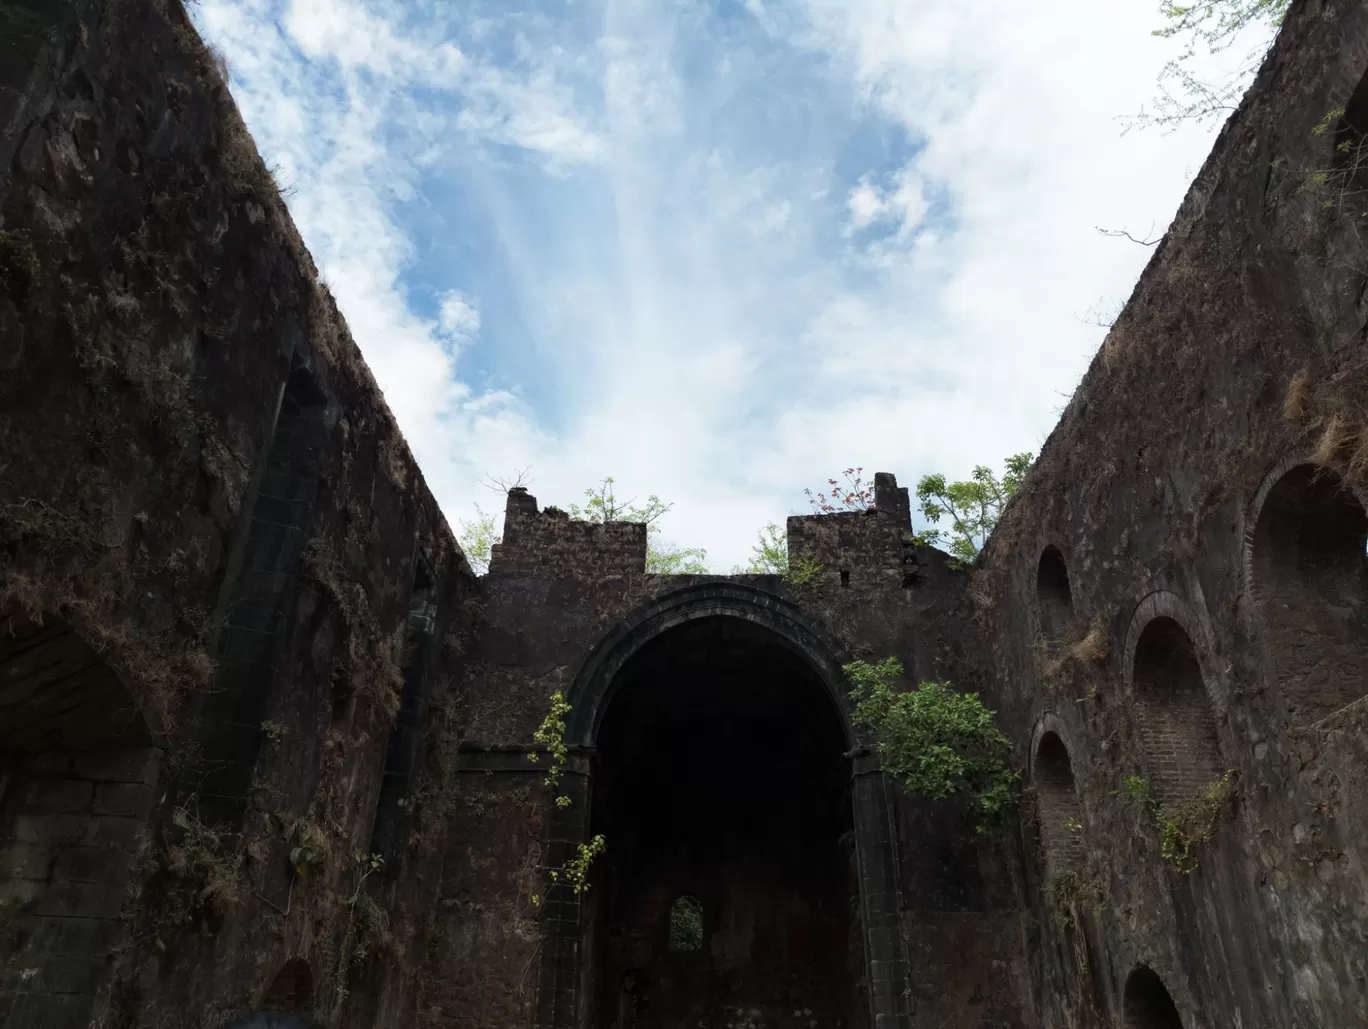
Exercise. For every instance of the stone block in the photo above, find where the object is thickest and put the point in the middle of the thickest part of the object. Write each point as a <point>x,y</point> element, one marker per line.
<point>123,799</point>
<point>75,935</point>
<point>19,893</point>
<point>53,763</point>
<point>76,974</point>
<point>64,795</point>
<point>140,765</point>
<point>26,861</point>
<point>41,1010</point>
<point>91,900</point>
<point>113,832</point>
<point>45,827</point>
<point>85,864</point>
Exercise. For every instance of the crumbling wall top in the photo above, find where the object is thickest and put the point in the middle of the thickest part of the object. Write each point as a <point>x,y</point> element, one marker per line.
<point>539,542</point>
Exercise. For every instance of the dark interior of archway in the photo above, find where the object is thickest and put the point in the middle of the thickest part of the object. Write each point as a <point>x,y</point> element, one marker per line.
<point>1054,597</point>
<point>1311,581</point>
<point>720,776</point>
<point>1148,1004</point>
<point>56,693</point>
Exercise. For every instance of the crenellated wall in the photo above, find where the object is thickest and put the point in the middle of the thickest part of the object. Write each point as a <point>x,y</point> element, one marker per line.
<point>266,744</point>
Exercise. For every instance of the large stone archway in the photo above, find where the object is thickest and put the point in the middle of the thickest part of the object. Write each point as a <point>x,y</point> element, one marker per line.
<point>694,706</point>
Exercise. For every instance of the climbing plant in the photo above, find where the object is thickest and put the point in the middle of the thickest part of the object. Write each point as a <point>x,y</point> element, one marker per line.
<point>1187,826</point>
<point>551,735</point>
<point>935,740</point>
<point>575,872</point>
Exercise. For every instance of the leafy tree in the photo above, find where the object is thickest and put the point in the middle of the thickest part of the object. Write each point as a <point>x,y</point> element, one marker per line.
<point>662,558</point>
<point>477,539</point>
<point>769,556</point>
<point>1209,27</point>
<point>936,741</point>
<point>973,506</point>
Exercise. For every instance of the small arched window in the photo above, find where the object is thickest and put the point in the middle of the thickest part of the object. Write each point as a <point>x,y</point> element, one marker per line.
<point>1054,598</point>
<point>1061,815</point>
<point>686,924</point>
<point>1147,1004</point>
<point>1176,723</point>
<point>1311,588</point>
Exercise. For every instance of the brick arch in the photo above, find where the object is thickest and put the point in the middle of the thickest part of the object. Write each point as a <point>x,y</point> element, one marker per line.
<point>1146,1002</point>
<point>1054,595</point>
<point>594,685</point>
<point>1057,796</point>
<point>1168,675</point>
<point>1306,573</point>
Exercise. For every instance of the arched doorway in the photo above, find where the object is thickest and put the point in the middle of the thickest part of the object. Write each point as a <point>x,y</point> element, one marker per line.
<point>78,768</point>
<point>723,773</point>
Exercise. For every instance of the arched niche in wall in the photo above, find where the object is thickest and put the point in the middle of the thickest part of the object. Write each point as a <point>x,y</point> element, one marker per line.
<point>1309,578</point>
<point>1350,159</point>
<point>78,774</point>
<point>292,989</point>
<point>1146,1003</point>
<point>1054,597</point>
<point>401,753</point>
<point>1177,725</point>
<point>1061,813</point>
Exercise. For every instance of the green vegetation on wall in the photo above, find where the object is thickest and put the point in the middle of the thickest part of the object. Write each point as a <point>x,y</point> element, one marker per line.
<point>936,741</point>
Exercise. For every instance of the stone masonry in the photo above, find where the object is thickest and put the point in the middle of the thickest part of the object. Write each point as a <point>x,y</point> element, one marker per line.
<point>268,745</point>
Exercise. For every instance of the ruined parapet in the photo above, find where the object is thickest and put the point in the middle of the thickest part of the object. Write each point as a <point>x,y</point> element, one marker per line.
<point>868,547</point>
<point>551,542</point>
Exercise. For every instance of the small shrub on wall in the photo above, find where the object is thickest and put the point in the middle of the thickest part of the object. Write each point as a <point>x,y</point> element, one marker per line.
<point>936,741</point>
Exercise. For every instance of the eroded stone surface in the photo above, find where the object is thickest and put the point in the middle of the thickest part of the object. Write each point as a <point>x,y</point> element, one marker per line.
<point>241,646</point>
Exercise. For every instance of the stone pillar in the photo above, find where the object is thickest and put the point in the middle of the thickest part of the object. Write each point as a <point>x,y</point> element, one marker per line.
<point>880,906</point>
<point>560,977</point>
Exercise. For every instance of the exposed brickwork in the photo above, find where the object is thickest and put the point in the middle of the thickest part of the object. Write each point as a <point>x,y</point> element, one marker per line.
<point>70,828</point>
<point>1174,712</point>
<point>1309,577</point>
<point>201,478</point>
<point>1061,828</point>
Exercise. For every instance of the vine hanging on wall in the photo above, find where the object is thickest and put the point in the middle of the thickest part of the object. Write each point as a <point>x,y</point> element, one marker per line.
<point>551,735</point>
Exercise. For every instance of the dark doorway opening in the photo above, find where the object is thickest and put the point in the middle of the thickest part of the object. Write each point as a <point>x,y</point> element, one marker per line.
<point>721,778</point>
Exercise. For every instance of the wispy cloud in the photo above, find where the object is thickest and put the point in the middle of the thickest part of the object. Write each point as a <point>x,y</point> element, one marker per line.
<point>717,251</point>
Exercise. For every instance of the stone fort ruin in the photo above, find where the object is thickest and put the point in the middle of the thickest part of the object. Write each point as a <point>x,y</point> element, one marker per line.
<point>264,738</point>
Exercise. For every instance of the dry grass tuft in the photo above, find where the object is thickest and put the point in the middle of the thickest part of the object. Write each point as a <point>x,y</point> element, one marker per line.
<point>1332,441</point>
<point>1356,464</point>
<point>1298,398</point>
<point>1093,648</point>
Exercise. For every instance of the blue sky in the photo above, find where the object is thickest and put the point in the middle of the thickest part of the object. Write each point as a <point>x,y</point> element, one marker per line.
<point>718,250</point>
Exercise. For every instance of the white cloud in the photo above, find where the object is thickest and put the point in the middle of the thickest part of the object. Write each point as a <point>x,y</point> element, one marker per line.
<point>718,258</point>
<point>458,316</point>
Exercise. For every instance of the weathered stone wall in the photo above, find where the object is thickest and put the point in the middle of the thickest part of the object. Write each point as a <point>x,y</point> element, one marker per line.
<point>557,590</point>
<point>240,646</point>
<point>1204,625</point>
<point>200,480</point>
